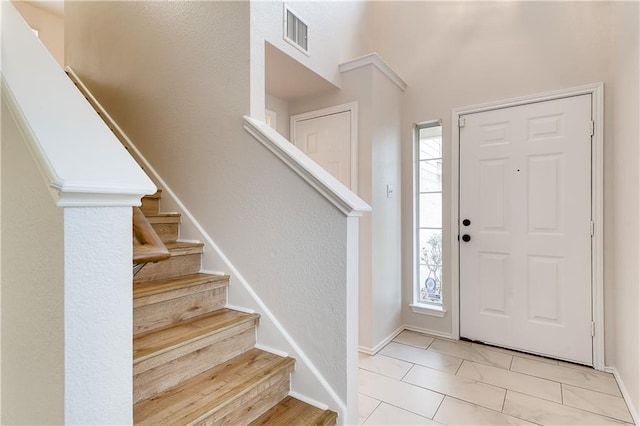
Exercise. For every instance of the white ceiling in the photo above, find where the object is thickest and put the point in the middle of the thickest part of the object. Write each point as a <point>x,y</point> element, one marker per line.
<point>288,79</point>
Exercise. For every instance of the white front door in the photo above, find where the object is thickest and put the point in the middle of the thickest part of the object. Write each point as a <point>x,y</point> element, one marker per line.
<point>327,140</point>
<point>525,190</point>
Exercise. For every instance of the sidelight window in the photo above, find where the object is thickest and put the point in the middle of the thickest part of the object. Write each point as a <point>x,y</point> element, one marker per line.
<point>429,213</point>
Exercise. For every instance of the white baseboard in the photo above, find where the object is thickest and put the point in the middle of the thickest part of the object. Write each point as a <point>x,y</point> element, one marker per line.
<point>625,394</point>
<point>272,351</point>
<point>433,333</point>
<point>376,348</point>
<point>309,401</point>
<point>239,309</point>
<point>379,346</point>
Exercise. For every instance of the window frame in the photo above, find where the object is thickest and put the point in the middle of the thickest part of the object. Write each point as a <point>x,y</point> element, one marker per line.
<point>418,306</point>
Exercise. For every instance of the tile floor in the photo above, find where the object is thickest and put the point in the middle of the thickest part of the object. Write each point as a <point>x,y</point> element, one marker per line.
<point>420,380</point>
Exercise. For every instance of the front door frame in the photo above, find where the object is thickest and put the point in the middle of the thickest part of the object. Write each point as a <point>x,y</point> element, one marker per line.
<point>596,91</point>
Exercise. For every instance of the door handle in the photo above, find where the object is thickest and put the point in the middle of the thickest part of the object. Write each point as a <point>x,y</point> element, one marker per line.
<point>466,222</point>
<point>466,238</point>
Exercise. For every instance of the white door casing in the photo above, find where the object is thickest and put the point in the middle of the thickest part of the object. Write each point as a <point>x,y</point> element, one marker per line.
<point>329,137</point>
<point>525,185</point>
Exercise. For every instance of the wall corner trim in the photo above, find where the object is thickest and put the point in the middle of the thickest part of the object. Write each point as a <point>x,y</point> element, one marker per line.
<point>321,180</point>
<point>377,61</point>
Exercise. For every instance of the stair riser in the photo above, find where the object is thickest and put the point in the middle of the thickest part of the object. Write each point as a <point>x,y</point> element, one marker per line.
<point>150,205</point>
<point>157,374</point>
<point>173,267</point>
<point>251,405</point>
<point>171,311</point>
<point>168,232</point>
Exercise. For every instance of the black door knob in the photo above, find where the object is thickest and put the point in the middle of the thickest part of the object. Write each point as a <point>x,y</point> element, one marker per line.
<point>466,238</point>
<point>466,222</point>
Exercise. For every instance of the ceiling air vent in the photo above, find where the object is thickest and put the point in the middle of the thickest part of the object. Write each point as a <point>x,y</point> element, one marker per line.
<point>295,30</point>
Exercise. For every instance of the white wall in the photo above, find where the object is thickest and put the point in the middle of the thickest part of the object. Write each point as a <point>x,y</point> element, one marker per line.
<point>336,34</point>
<point>378,153</point>
<point>32,316</point>
<point>50,27</point>
<point>626,207</point>
<point>181,102</point>
<point>455,54</point>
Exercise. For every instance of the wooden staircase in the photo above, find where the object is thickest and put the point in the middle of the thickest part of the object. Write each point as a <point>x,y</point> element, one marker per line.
<point>194,361</point>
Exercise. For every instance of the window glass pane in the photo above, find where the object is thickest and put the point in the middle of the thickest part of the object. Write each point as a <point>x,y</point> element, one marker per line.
<point>431,210</point>
<point>430,145</point>
<point>430,175</point>
<point>430,274</point>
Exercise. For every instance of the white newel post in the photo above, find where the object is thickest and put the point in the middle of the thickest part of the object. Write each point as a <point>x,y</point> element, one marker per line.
<point>98,315</point>
<point>353,262</point>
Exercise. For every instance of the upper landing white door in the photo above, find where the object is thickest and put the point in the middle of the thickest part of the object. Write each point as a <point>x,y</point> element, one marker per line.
<point>525,188</point>
<point>327,141</point>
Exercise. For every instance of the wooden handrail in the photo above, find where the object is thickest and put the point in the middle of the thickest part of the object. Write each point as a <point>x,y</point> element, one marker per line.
<point>147,245</point>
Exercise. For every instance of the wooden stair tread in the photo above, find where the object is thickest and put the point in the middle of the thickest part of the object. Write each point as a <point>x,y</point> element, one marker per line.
<point>150,288</point>
<point>194,399</point>
<point>163,339</point>
<point>164,217</point>
<point>291,411</point>
<point>157,194</point>
<point>177,248</point>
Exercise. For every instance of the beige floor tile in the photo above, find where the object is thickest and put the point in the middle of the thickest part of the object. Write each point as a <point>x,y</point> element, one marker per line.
<point>400,394</point>
<point>529,385</point>
<point>459,387</point>
<point>544,412</point>
<point>387,414</point>
<point>384,365</point>
<point>593,380</point>
<point>596,402</point>
<point>432,359</point>
<point>578,367</point>
<point>516,353</point>
<point>366,405</point>
<point>472,353</point>
<point>455,412</point>
<point>412,338</point>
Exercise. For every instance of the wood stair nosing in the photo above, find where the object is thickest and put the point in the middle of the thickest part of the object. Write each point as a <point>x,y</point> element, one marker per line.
<point>185,259</point>
<point>169,369</point>
<point>164,218</point>
<point>202,396</point>
<point>161,340</point>
<point>155,291</point>
<point>291,411</point>
<point>156,315</point>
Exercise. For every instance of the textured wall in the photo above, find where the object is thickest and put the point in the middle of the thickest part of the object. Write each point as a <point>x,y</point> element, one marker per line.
<point>175,76</point>
<point>32,312</point>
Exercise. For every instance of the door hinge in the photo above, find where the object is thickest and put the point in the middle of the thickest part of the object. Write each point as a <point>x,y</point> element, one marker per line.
<point>593,329</point>
<point>592,127</point>
<point>462,122</point>
<point>593,228</point>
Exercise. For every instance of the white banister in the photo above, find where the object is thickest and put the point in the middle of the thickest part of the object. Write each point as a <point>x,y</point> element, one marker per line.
<point>81,160</point>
